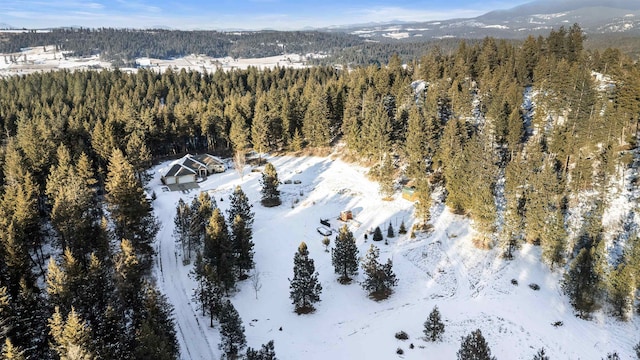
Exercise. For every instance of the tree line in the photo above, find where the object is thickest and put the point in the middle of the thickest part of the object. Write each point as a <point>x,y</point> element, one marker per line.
<point>123,46</point>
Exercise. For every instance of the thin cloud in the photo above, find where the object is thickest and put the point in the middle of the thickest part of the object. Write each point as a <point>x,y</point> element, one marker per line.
<point>407,14</point>
<point>138,6</point>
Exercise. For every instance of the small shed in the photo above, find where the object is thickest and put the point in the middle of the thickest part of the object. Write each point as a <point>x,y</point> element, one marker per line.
<point>346,215</point>
<point>410,193</point>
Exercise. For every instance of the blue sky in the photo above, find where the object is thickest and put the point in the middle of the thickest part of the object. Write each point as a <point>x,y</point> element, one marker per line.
<point>234,14</point>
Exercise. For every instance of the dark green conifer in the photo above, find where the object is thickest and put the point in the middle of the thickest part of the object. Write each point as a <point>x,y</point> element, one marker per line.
<point>305,287</point>
<point>344,256</point>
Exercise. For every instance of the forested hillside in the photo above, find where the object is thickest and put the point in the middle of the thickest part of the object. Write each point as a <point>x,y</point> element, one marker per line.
<point>124,45</point>
<point>530,141</point>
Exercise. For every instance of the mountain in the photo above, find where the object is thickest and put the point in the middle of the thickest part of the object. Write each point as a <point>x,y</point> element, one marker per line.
<point>533,18</point>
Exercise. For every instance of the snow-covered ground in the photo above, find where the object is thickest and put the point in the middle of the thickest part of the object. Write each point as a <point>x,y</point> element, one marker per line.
<point>472,288</point>
<point>47,58</point>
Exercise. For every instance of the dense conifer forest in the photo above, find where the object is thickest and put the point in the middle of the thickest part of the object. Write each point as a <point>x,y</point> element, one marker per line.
<point>525,139</point>
<point>125,45</point>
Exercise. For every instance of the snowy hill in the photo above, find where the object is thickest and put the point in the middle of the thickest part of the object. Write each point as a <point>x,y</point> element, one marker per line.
<point>533,18</point>
<point>472,288</point>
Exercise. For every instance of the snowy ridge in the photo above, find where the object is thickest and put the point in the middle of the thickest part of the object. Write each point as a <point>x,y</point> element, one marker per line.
<point>472,288</point>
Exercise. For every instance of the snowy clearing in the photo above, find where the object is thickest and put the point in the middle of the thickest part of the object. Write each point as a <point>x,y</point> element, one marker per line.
<point>472,288</point>
<point>47,58</point>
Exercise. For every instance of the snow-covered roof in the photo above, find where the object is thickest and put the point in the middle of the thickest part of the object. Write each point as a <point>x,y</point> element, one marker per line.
<point>178,170</point>
<point>190,164</point>
<point>207,159</point>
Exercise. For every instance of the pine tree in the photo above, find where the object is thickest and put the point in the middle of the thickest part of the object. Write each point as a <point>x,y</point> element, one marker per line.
<point>128,274</point>
<point>71,337</point>
<point>208,291</point>
<point>315,125</point>
<point>433,327</point>
<point>474,347</point>
<point>267,352</point>
<point>260,125</point>
<point>218,250</point>
<point>270,183</point>
<point>541,355</point>
<point>423,204</point>
<point>6,317</point>
<point>305,288</point>
<point>29,330</point>
<point>156,334</point>
<point>75,211</point>
<point>620,291</point>
<point>242,246</point>
<point>553,239</point>
<point>379,277</point>
<point>326,242</point>
<point>297,142</point>
<point>377,234</point>
<point>582,283</point>
<point>344,256</point>
<point>415,144</point>
<point>239,205</point>
<point>10,352</point>
<point>129,208</point>
<point>138,155</point>
<point>238,133</point>
<point>201,209</point>
<point>403,229</point>
<point>182,226</point>
<point>390,232</point>
<point>240,216</point>
<point>386,176</point>
<point>231,331</point>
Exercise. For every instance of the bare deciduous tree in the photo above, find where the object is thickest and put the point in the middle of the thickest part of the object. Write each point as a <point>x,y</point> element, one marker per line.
<point>239,161</point>
<point>255,282</point>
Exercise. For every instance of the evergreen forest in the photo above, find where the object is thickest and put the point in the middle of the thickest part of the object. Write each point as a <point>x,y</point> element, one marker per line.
<point>528,140</point>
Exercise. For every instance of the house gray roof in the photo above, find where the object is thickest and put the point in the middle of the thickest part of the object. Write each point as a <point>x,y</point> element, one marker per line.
<point>207,159</point>
<point>192,164</point>
<point>178,169</point>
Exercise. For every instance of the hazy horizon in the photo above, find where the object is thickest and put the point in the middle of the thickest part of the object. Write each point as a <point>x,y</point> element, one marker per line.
<point>229,14</point>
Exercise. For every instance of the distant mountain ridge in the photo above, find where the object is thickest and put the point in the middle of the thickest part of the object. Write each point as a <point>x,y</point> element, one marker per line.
<point>533,18</point>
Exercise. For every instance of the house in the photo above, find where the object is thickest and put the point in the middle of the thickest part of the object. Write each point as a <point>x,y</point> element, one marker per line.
<point>410,193</point>
<point>189,168</point>
<point>212,163</point>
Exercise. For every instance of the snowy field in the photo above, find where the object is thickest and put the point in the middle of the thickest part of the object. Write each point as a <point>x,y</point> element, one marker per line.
<point>472,288</point>
<point>46,58</point>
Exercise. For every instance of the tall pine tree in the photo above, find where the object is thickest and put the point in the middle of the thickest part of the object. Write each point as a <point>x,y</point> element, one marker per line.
<point>305,287</point>
<point>344,256</point>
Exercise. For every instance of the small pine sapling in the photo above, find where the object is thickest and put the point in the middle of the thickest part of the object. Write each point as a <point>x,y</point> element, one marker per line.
<point>403,229</point>
<point>541,355</point>
<point>377,234</point>
<point>434,327</point>
<point>390,232</point>
<point>326,242</point>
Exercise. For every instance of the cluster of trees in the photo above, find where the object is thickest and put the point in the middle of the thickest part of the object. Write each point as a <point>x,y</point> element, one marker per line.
<point>306,289</point>
<point>93,298</point>
<point>224,248</point>
<point>224,255</point>
<point>125,45</point>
